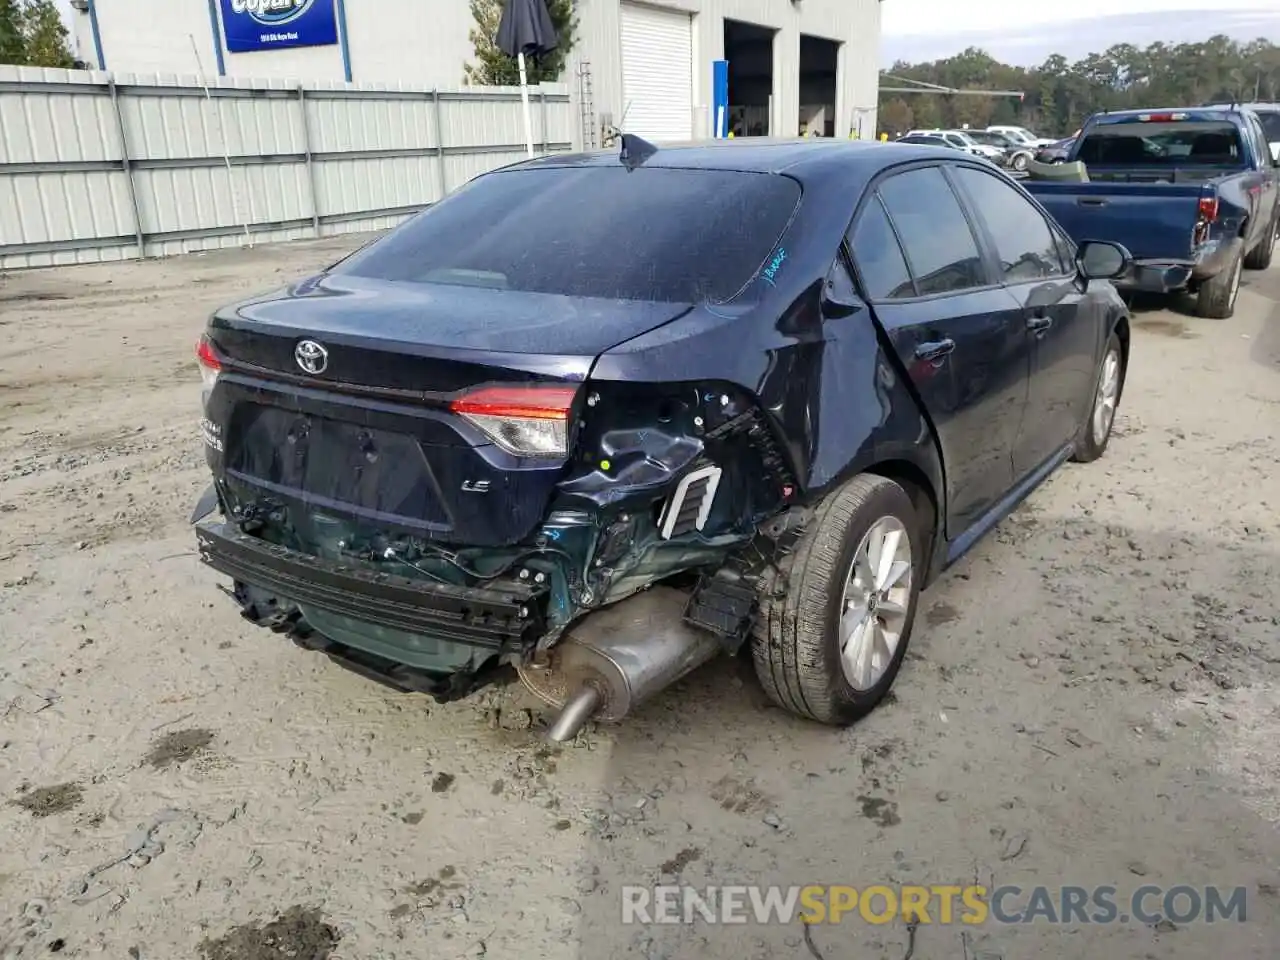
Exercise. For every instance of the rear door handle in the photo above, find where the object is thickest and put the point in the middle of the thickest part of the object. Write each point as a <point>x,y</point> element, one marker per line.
<point>1091,202</point>
<point>935,349</point>
<point>1039,324</point>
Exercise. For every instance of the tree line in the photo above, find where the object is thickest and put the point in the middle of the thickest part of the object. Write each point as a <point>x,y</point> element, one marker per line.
<point>1059,95</point>
<point>32,34</point>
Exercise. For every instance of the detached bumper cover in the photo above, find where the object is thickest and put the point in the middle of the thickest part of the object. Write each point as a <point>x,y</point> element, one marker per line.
<point>496,618</point>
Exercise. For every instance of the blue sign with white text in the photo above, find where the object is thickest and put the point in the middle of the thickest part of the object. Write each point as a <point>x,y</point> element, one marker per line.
<point>251,25</point>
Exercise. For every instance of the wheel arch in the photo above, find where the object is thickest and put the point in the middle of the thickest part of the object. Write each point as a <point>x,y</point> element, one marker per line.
<point>925,499</point>
<point>1121,329</point>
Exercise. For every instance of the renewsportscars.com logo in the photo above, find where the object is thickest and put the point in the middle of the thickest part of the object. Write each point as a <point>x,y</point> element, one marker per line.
<point>272,13</point>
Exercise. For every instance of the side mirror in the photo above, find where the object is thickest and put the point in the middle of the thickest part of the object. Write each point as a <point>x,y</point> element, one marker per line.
<point>1102,260</point>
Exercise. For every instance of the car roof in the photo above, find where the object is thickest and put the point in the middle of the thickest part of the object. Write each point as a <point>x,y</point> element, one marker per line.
<point>800,158</point>
<point>1255,107</point>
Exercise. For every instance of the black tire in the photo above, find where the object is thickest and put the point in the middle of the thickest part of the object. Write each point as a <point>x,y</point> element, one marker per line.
<point>796,640</point>
<point>1090,445</point>
<point>1020,162</point>
<point>1259,257</point>
<point>1216,299</point>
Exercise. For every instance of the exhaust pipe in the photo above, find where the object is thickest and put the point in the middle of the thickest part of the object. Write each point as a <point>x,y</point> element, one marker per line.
<point>616,658</point>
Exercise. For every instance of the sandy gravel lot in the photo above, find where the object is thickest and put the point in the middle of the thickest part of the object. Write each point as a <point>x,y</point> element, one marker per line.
<point>1091,698</point>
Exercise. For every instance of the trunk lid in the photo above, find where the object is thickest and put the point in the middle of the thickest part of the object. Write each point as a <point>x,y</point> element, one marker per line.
<point>429,338</point>
<point>335,400</point>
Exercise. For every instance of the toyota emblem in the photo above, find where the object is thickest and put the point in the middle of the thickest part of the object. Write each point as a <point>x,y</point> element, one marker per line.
<point>312,357</point>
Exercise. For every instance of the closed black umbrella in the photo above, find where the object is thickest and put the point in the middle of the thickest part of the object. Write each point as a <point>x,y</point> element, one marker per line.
<point>526,30</point>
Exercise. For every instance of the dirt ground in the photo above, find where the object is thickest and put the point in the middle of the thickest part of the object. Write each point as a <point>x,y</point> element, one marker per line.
<point>1091,698</point>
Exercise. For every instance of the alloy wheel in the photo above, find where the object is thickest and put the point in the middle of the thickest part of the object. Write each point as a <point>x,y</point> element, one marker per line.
<point>1104,404</point>
<point>876,602</point>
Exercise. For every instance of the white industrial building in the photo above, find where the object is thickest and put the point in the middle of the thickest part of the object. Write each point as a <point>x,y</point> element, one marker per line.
<point>794,65</point>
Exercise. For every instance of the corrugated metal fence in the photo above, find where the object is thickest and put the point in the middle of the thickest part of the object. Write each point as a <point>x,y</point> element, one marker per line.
<point>95,166</point>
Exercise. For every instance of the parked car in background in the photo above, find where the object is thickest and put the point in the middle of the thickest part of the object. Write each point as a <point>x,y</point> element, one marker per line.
<point>1056,152</point>
<point>1193,192</point>
<point>1269,116</point>
<point>929,140</point>
<point>463,446</point>
<point>1013,155</point>
<point>961,140</point>
<point>1022,135</point>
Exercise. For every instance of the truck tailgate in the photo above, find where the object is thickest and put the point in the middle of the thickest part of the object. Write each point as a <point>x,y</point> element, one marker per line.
<point>1155,221</point>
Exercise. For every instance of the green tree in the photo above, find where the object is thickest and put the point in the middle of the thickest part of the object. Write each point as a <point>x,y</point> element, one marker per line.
<point>44,36</point>
<point>32,34</point>
<point>494,68</point>
<point>1060,95</point>
<point>11,45</point>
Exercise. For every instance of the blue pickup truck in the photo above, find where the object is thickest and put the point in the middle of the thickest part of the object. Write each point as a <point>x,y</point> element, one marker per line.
<point>1194,194</point>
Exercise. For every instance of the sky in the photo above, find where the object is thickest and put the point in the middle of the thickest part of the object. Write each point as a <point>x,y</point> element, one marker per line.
<point>1025,33</point>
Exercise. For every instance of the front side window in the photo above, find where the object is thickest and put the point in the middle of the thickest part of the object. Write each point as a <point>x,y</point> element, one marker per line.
<point>1021,235</point>
<point>660,234</point>
<point>939,245</point>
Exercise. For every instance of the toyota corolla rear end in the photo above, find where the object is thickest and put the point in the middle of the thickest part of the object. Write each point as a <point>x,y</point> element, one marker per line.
<point>412,469</point>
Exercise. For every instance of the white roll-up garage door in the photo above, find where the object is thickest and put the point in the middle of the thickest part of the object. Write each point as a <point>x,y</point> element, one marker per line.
<point>657,73</point>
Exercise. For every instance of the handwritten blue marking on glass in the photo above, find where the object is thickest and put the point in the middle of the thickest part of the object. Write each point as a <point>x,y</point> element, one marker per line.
<point>774,265</point>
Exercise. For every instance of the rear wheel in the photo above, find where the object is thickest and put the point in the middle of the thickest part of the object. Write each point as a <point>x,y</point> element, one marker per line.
<point>1216,299</point>
<point>1095,432</point>
<point>1020,161</point>
<point>830,647</point>
<point>1259,257</point>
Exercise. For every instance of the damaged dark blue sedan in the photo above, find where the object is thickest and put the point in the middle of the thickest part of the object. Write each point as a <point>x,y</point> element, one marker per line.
<point>602,417</point>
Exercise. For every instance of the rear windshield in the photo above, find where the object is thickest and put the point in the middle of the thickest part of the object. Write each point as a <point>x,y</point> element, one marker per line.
<point>1138,144</point>
<point>680,236</point>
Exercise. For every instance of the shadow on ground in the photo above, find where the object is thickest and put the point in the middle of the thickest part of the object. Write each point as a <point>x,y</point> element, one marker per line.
<point>1083,738</point>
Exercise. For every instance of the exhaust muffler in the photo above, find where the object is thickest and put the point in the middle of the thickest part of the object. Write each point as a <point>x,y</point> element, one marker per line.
<point>616,658</point>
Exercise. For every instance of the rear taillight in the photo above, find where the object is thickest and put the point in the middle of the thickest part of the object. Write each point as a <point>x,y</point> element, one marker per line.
<point>210,365</point>
<point>528,421</point>
<point>1209,209</point>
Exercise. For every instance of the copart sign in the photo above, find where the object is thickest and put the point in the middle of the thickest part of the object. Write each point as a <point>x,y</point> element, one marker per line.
<point>266,24</point>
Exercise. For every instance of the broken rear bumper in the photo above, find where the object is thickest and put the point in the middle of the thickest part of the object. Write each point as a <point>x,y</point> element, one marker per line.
<point>501,618</point>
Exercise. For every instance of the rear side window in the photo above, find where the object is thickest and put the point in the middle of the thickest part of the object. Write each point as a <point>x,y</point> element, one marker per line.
<point>1021,235</point>
<point>680,236</point>
<point>878,256</point>
<point>1260,146</point>
<point>1271,125</point>
<point>940,248</point>
<point>1199,143</point>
